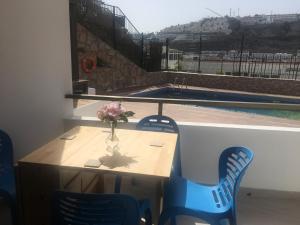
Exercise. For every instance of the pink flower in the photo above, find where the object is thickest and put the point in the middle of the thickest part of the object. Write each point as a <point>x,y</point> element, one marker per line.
<point>111,112</point>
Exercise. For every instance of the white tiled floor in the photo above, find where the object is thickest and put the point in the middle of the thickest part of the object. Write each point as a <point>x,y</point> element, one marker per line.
<point>253,210</point>
<point>258,210</point>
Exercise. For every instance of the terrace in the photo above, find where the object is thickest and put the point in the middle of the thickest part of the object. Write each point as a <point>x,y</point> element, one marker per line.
<point>38,93</point>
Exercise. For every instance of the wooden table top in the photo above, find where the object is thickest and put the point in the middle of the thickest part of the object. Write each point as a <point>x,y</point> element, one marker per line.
<point>138,156</point>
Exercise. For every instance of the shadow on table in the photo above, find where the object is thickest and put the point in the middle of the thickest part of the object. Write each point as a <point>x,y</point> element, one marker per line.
<point>116,160</point>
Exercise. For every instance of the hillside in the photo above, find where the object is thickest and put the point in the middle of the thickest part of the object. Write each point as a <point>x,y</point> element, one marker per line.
<point>225,34</point>
<point>207,25</point>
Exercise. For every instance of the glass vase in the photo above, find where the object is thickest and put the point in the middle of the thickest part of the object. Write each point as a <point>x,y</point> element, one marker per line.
<point>112,141</point>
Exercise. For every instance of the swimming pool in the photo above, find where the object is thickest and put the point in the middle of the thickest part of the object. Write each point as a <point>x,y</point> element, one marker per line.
<point>169,92</point>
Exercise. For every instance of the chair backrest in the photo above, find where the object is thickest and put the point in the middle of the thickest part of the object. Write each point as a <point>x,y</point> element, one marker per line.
<point>95,209</point>
<point>163,124</point>
<point>233,164</point>
<point>6,157</point>
<point>158,123</point>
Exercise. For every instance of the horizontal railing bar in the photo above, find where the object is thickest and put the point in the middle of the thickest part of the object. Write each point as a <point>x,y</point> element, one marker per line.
<point>249,105</point>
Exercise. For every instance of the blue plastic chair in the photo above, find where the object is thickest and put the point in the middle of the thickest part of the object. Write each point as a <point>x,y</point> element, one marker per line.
<point>98,209</point>
<point>7,177</point>
<point>164,124</point>
<point>214,204</point>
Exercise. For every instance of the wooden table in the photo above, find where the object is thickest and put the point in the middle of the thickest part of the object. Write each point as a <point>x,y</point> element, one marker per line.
<point>39,173</point>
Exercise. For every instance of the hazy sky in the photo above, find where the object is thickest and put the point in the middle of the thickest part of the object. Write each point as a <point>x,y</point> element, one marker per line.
<point>153,15</point>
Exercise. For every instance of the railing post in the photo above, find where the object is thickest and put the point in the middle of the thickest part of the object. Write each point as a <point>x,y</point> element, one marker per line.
<point>167,54</point>
<point>222,64</point>
<point>142,51</point>
<point>114,28</point>
<point>279,66</point>
<point>160,108</point>
<point>241,53</point>
<point>249,63</point>
<point>290,68</point>
<point>233,65</point>
<point>261,66</point>
<point>177,61</point>
<point>296,76</point>
<point>272,65</point>
<point>294,69</point>
<point>200,54</point>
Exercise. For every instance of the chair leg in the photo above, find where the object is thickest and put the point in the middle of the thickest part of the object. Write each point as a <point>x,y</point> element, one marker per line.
<point>148,217</point>
<point>224,222</point>
<point>232,221</point>
<point>118,181</point>
<point>163,218</point>
<point>11,201</point>
<point>173,220</point>
<point>13,209</point>
<point>216,223</point>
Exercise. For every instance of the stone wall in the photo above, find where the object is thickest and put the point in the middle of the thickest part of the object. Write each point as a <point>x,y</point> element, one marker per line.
<point>114,72</point>
<point>247,84</point>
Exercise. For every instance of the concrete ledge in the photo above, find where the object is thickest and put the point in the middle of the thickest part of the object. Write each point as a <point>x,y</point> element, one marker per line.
<point>94,121</point>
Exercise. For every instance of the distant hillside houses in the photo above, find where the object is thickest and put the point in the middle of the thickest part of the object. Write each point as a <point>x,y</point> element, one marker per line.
<point>208,25</point>
<point>268,19</point>
<point>222,24</point>
<point>219,24</point>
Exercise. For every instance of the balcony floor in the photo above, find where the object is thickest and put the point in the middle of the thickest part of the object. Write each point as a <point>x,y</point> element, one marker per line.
<point>253,210</point>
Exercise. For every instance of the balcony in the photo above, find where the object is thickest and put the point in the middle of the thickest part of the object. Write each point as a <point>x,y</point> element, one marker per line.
<point>36,76</point>
<point>270,189</point>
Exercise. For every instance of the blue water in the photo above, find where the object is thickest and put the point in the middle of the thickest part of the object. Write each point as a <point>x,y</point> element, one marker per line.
<point>227,96</point>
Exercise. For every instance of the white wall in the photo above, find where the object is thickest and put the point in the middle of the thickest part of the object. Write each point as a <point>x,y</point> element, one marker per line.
<point>35,71</point>
<point>276,165</point>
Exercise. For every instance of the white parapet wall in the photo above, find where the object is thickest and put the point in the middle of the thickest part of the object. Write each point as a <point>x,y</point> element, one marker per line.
<point>276,165</point>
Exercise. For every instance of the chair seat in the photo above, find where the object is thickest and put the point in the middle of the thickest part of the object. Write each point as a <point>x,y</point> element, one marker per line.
<point>182,193</point>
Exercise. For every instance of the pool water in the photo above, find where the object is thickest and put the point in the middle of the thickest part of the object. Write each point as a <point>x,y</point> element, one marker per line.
<point>270,112</point>
<point>227,96</point>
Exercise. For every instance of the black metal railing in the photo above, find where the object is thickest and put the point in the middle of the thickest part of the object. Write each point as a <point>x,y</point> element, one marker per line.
<point>111,25</point>
<point>204,54</point>
<point>162,101</point>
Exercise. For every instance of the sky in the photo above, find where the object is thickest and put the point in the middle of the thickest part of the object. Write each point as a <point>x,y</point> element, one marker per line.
<point>154,15</point>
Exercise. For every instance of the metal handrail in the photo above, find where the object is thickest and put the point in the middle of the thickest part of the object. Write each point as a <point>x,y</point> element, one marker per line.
<point>116,7</point>
<point>131,24</point>
<point>111,25</point>
<point>161,101</point>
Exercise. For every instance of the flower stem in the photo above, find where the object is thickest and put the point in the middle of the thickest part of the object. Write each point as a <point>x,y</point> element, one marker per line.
<point>113,126</point>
